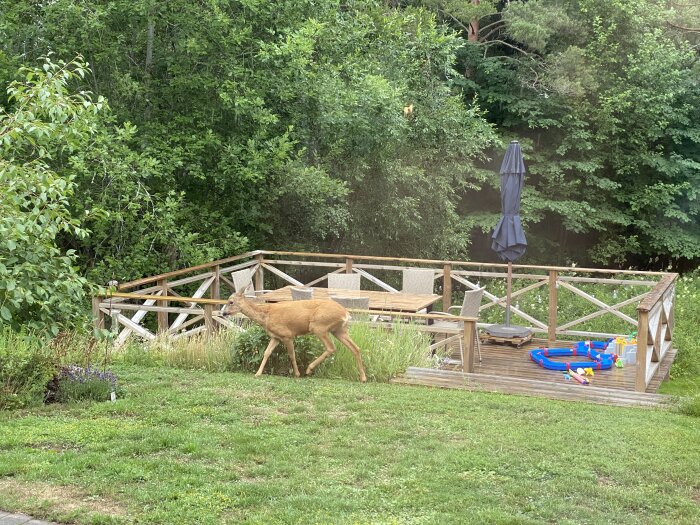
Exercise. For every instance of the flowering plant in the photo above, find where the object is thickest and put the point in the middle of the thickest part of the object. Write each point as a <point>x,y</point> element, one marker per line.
<point>76,383</point>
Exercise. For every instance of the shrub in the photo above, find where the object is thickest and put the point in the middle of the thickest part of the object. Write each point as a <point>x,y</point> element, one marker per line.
<point>75,383</point>
<point>250,346</point>
<point>26,366</point>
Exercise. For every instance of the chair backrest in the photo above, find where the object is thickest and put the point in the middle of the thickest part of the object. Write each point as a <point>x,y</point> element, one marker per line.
<point>346,281</point>
<point>472,302</point>
<point>243,280</point>
<point>302,294</point>
<point>361,303</point>
<point>418,280</point>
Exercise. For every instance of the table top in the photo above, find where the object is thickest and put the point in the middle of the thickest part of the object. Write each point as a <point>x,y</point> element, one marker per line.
<point>388,301</point>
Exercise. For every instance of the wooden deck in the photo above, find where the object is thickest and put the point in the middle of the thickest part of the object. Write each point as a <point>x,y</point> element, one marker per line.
<point>508,369</point>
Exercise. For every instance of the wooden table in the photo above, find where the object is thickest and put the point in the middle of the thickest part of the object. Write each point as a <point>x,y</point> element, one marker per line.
<point>387,301</point>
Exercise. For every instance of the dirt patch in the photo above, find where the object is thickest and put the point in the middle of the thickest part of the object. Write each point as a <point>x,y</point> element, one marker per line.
<point>61,498</point>
<point>605,481</point>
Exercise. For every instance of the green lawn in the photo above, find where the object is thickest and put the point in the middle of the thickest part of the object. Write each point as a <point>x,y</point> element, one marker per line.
<point>197,447</point>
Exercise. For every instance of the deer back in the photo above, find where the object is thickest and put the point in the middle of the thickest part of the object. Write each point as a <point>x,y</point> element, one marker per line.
<point>289,319</point>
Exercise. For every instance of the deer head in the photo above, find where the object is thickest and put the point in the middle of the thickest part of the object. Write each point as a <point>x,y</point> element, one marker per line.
<point>233,306</point>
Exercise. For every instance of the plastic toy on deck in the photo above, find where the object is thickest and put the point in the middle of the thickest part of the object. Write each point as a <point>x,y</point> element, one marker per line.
<point>593,350</point>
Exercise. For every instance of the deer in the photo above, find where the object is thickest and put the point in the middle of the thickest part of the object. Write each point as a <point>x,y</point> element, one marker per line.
<point>285,320</point>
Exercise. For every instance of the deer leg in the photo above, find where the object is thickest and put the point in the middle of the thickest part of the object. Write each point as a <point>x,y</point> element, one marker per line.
<point>273,344</point>
<point>289,343</point>
<point>344,337</point>
<point>330,349</point>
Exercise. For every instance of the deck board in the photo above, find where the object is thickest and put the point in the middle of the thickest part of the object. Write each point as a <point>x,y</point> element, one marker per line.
<point>509,361</point>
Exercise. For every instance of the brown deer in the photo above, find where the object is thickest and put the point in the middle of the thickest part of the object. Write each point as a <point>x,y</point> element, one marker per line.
<point>284,321</point>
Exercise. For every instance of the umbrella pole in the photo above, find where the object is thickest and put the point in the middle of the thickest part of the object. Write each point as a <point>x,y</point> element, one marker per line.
<point>508,288</point>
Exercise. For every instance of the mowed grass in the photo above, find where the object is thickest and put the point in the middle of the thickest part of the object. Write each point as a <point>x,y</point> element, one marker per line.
<point>198,447</point>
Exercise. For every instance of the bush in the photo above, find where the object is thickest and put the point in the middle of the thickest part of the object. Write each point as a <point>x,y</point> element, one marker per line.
<point>250,346</point>
<point>26,366</point>
<point>75,383</point>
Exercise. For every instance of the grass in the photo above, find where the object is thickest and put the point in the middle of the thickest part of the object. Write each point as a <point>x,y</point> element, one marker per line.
<point>385,353</point>
<point>197,447</point>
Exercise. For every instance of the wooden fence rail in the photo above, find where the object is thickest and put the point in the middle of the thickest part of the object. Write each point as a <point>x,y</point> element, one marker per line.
<point>653,322</point>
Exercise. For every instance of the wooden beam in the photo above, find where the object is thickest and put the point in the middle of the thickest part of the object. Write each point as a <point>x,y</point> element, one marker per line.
<point>552,321</point>
<point>446,287</point>
<point>593,315</point>
<point>162,316</point>
<point>98,317</point>
<point>348,265</point>
<point>468,346</point>
<point>278,272</point>
<point>440,262</point>
<point>209,319</point>
<point>215,290</point>
<point>642,331</point>
<point>375,280</point>
<point>168,275</point>
<point>659,290</point>
<point>597,302</point>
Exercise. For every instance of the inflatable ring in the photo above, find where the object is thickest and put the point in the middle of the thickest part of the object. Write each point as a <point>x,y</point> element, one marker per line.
<point>592,350</point>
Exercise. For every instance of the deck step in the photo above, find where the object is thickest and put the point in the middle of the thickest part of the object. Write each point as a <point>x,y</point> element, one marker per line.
<point>530,387</point>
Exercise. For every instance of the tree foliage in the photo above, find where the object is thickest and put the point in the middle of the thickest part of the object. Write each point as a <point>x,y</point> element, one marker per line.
<point>360,126</point>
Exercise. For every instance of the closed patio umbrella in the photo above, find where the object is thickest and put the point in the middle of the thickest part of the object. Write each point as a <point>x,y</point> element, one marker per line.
<point>508,239</point>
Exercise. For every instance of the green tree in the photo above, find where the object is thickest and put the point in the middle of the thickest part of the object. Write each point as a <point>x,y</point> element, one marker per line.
<point>39,281</point>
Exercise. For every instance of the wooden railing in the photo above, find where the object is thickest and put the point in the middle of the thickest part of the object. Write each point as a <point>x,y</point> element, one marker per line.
<point>654,300</point>
<point>655,336</point>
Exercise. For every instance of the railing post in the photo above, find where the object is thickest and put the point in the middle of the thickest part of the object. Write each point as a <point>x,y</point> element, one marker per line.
<point>259,277</point>
<point>209,318</point>
<point>215,290</point>
<point>162,316</point>
<point>552,323</point>
<point>468,346</point>
<point>348,265</point>
<point>642,335</point>
<point>446,287</point>
<point>98,318</point>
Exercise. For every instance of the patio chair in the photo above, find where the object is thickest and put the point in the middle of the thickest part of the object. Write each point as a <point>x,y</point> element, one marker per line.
<point>418,281</point>
<point>345,281</point>
<point>302,294</point>
<point>469,308</point>
<point>359,303</point>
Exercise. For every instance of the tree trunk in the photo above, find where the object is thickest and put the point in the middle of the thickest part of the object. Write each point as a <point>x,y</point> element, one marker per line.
<point>473,35</point>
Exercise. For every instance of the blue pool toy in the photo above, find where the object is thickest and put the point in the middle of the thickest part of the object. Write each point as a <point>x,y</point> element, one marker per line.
<point>590,349</point>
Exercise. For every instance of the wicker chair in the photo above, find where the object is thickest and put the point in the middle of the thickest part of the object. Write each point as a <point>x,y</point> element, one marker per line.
<point>418,281</point>
<point>243,281</point>
<point>345,281</point>
<point>302,294</point>
<point>360,303</point>
<point>469,308</point>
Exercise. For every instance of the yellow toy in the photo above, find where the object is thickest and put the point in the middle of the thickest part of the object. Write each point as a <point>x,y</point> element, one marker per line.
<point>589,372</point>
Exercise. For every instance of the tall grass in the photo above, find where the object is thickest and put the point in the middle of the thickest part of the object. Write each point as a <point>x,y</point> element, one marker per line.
<point>386,352</point>
<point>198,352</point>
<point>26,366</point>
